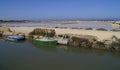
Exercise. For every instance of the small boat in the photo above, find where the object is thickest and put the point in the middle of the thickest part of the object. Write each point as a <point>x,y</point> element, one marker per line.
<point>63,41</point>
<point>46,42</point>
<point>14,37</point>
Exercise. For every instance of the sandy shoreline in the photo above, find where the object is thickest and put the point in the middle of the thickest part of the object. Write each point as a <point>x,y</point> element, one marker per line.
<point>102,35</point>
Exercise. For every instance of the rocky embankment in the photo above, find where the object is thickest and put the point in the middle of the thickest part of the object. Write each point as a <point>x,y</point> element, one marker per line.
<point>75,38</point>
<point>89,41</point>
<point>4,31</point>
<point>7,31</point>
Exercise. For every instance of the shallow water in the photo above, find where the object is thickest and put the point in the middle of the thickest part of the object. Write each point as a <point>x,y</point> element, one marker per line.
<point>81,24</point>
<point>28,56</point>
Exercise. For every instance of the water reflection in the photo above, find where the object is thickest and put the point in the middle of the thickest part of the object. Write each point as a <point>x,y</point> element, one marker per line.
<point>62,48</point>
<point>45,48</point>
<point>88,51</point>
<point>29,56</point>
<point>78,50</point>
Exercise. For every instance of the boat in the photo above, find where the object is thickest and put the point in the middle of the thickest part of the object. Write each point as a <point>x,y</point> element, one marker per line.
<point>46,42</point>
<point>63,41</point>
<point>14,37</point>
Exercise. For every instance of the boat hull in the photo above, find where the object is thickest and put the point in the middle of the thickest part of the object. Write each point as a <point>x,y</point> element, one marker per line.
<point>14,38</point>
<point>46,43</point>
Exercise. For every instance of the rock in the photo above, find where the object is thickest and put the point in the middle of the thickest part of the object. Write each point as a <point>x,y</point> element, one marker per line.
<point>43,32</point>
<point>107,43</point>
<point>82,41</point>
<point>40,36</point>
<point>93,42</point>
<point>7,33</point>
<point>20,34</point>
<point>99,44</point>
<point>5,29</point>
<point>116,44</point>
<point>1,34</point>
<point>35,36</point>
<point>114,38</point>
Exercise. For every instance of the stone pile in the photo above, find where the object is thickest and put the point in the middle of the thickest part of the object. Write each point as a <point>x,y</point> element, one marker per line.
<point>91,42</point>
<point>38,32</point>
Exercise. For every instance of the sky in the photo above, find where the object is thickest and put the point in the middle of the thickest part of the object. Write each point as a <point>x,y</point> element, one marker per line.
<point>59,9</point>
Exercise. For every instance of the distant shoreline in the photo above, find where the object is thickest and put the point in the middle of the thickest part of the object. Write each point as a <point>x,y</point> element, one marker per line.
<point>102,35</point>
<point>4,21</point>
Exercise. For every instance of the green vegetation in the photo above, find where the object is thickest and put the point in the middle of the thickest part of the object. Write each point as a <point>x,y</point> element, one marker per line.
<point>4,21</point>
<point>101,29</point>
<point>88,28</point>
<point>114,30</point>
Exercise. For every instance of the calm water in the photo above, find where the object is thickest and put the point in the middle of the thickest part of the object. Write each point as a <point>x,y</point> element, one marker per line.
<point>27,56</point>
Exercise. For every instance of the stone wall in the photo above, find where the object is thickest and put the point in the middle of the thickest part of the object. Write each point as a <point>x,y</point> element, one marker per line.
<point>81,40</point>
<point>92,42</point>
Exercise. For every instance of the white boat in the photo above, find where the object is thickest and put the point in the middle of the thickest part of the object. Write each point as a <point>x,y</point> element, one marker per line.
<point>62,41</point>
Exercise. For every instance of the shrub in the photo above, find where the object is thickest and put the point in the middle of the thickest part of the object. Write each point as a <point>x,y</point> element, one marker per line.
<point>114,30</point>
<point>101,29</point>
<point>88,29</point>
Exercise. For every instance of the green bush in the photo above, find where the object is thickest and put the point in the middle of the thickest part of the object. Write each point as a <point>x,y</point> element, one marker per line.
<point>115,30</point>
<point>88,28</point>
<point>101,29</point>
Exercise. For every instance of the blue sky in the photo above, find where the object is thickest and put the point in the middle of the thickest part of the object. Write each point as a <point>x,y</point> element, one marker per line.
<point>59,9</point>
